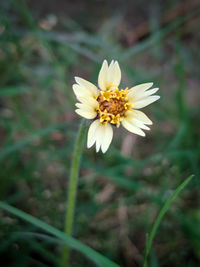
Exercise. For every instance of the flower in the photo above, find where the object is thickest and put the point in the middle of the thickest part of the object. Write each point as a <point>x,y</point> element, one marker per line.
<point>108,105</point>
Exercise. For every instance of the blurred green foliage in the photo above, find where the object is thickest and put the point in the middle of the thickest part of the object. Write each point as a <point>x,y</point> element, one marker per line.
<point>43,45</point>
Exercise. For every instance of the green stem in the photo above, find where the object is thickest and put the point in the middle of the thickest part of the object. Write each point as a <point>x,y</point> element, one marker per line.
<point>72,188</point>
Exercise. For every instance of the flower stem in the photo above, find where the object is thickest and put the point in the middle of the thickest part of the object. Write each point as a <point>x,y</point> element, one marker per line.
<point>72,188</point>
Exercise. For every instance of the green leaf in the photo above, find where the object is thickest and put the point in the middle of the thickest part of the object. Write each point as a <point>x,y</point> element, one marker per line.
<point>71,242</point>
<point>150,237</point>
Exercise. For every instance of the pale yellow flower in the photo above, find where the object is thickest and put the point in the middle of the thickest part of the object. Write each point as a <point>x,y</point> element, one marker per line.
<point>108,105</point>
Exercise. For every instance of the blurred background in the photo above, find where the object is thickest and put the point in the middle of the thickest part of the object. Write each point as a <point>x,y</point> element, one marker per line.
<point>43,45</point>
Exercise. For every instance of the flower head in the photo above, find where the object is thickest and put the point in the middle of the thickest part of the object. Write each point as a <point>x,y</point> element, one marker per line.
<point>108,105</point>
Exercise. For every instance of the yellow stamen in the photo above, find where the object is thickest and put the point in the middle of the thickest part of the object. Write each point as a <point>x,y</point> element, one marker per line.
<point>113,104</point>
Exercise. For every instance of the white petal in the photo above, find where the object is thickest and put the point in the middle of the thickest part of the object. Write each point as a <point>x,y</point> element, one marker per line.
<point>111,72</point>
<point>131,128</point>
<point>139,115</point>
<point>102,79</point>
<point>107,137</point>
<point>109,76</point>
<point>91,138</point>
<point>99,136</point>
<point>145,102</point>
<point>114,74</point>
<point>85,107</point>
<point>139,124</point>
<point>151,92</point>
<point>139,88</point>
<point>86,114</point>
<point>90,101</point>
<point>141,95</point>
<point>117,74</point>
<point>81,91</point>
<point>87,85</point>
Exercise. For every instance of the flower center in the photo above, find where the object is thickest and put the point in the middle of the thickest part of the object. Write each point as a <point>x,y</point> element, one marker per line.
<point>113,105</point>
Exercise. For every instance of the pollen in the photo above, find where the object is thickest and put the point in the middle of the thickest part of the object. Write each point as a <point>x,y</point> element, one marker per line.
<point>113,104</point>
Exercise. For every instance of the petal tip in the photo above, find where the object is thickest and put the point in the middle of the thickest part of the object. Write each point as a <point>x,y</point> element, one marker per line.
<point>89,145</point>
<point>104,150</point>
<point>97,149</point>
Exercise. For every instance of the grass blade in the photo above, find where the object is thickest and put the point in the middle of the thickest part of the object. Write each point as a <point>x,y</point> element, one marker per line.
<point>157,222</point>
<point>27,140</point>
<point>157,36</point>
<point>96,257</point>
<point>14,90</point>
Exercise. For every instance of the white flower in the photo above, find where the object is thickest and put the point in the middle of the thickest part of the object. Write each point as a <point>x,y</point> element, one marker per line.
<point>107,105</point>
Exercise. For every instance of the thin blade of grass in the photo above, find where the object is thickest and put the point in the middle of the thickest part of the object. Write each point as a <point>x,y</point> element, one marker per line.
<point>41,250</point>
<point>157,36</point>
<point>27,140</point>
<point>13,91</point>
<point>157,222</point>
<point>71,242</point>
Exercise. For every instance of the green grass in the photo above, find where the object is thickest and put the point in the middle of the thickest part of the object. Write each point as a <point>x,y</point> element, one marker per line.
<point>151,236</point>
<point>121,192</point>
